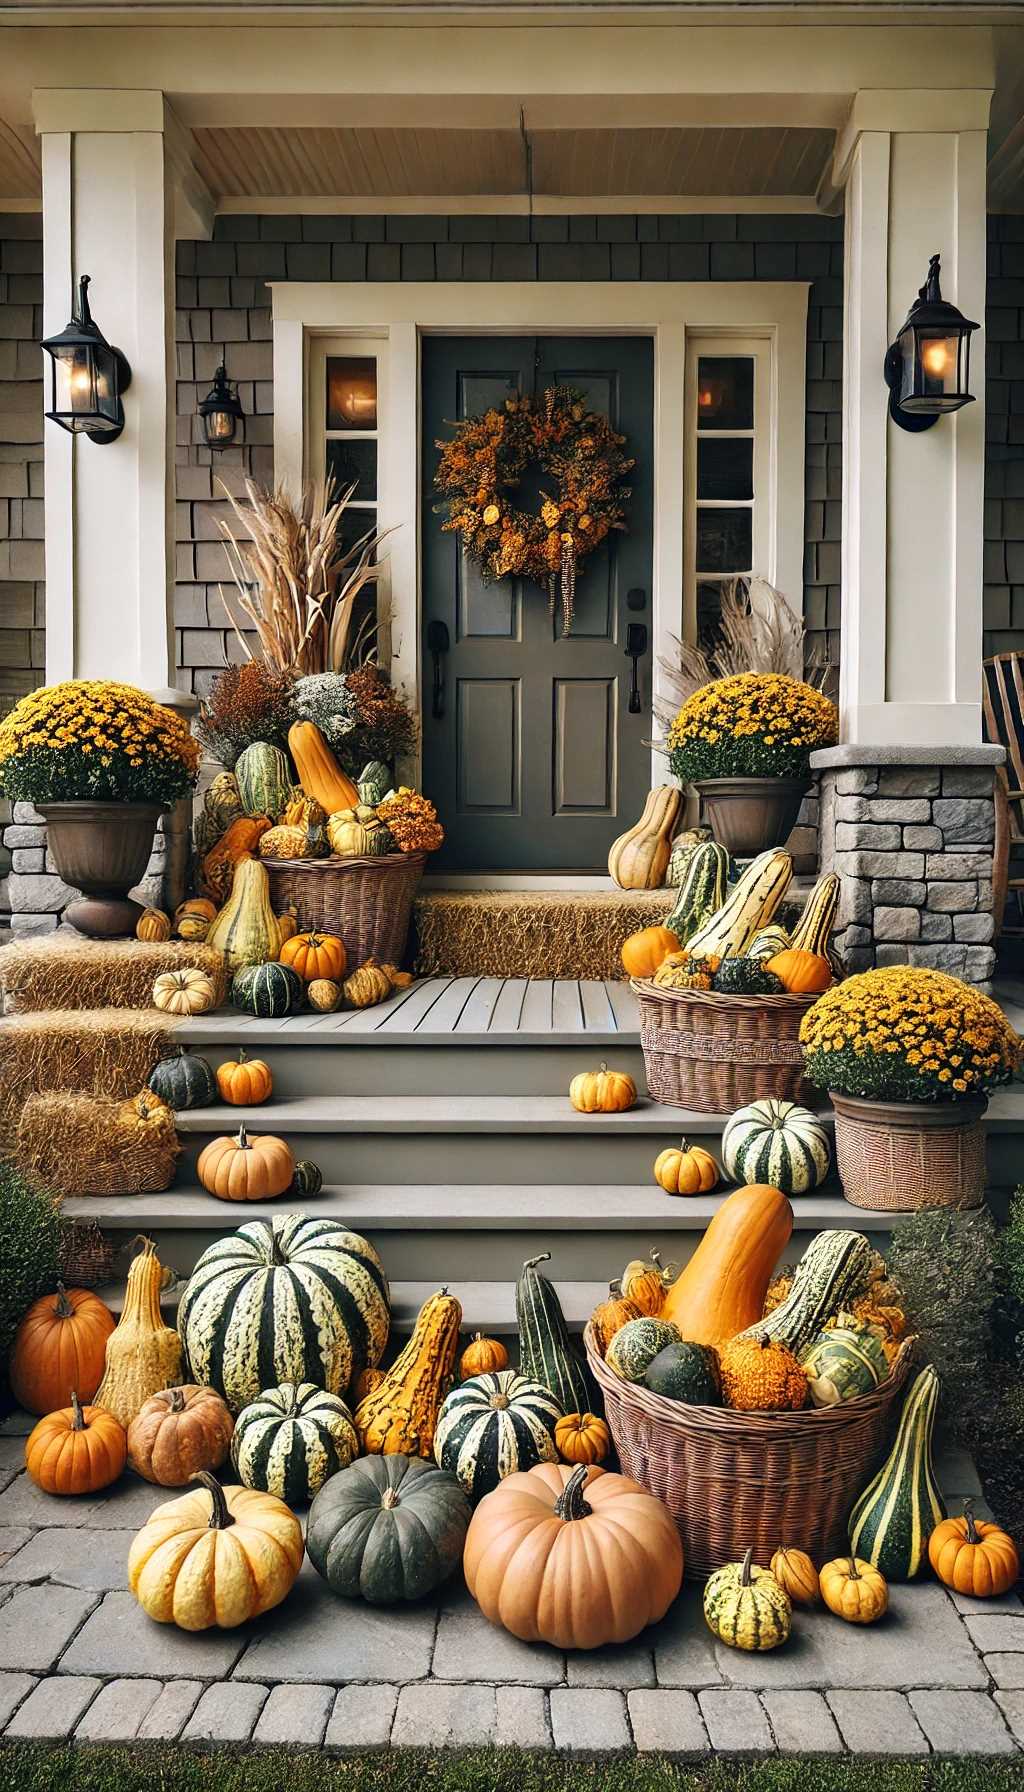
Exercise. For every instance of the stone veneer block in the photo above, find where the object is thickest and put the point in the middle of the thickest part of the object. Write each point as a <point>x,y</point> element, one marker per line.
<point>362,1718</point>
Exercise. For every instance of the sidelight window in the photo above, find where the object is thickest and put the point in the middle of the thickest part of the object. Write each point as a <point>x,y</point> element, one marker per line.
<point>728,470</point>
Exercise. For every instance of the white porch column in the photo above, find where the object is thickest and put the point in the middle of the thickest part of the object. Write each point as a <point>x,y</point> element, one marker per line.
<point>913,166</point>
<point>109,198</point>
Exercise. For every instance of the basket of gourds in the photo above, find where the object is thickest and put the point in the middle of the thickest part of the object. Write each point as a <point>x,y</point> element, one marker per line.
<point>722,987</point>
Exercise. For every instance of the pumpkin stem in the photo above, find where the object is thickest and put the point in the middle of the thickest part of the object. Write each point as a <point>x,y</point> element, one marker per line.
<point>242,1055</point>
<point>499,1402</point>
<point>62,1308</point>
<point>77,1419</point>
<point>972,1529</point>
<point>532,1262</point>
<point>570,1503</point>
<point>176,1402</point>
<point>242,1141</point>
<point>390,1498</point>
<point>745,1575</point>
<point>855,1573</point>
<point>277,1256</point>
<point>220,1517</point>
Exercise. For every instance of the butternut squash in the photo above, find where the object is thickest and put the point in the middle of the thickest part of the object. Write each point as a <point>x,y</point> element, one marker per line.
<point>721,1291</point>
<point>320,774</point>
<point>399,1415</point>
<point>639,858</point>
<point>241,839</point>
<point>246,929</point>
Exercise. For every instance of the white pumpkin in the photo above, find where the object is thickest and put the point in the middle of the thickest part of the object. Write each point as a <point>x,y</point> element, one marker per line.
<point>777,1142</point>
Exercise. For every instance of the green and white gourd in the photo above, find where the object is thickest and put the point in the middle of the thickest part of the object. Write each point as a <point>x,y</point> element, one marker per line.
<point>269,990</point>
<point>373,783</point>
<point>264,780</point>
<point>845,1362</point>
<point>684,846</point>
<point>701,892</point>
<point>749,906</point>
<point>896,1514</point>
<point>495,1425</point>
<point>834,1269</point>
<point>768,941</point>
<point>545,1351</point>
<point>637,1343</point>
<point>776,1142</point>
<point>290,1440</point>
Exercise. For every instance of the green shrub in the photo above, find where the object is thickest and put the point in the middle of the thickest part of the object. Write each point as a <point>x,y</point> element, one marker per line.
<point>944,1261</point>
<point>29,1250</point>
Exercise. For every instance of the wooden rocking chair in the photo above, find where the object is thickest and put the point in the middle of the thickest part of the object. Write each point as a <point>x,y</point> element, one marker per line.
<point>1003,708</point>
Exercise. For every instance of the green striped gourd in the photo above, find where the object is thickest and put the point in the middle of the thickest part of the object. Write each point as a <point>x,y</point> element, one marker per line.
<point>290,1440</point>
<point>701,892</point>
<point>896,1514</point>
<point>834,1269</point>
<point>267,990</point>
<point>246,928</point>
<point>749,906</point>
<point>684,846</point>
<point>817,918</point>
<point>685,1372</point>
<point>495,1425</point>
<point>373,783</point>
<point>844,1362</point>
<point>545,1353</point>
<point>637,1343</point>
<point>767,941</point>
<point>287,1299</point>
<point>264,780</point>
<point>777,1142</point>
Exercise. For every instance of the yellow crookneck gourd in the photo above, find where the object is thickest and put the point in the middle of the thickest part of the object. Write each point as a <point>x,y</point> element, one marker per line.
<point>400,1414</point>
<point>143,1354</point>
<point>246,929</point>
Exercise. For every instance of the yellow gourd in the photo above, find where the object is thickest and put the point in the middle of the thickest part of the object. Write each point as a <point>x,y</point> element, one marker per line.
<point>639,858</point>
<point>293,843</point>
<point>153,924</point>
<point>400,1414</point>
<point>320,774</point>
<point>304,812</point>
<point>143,1354</point>
<point>246,929</point>
<point>367,986</point>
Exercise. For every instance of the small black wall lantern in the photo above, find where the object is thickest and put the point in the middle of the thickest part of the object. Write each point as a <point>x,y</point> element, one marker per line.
<point>89,377</point>
<point>927,368</point>
<point>221,411</point>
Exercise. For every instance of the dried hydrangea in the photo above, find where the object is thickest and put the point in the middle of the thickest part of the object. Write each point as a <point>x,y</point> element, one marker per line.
<point>324,698</point>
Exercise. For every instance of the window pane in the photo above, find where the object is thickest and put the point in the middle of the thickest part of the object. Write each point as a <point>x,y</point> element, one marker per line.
<point>725,392</point>
<point>724,540</point>
<point>354,463</point>
<point>725,468</point>
<point>351,392</point>
<point>709,610</point>
<point>354,525</point>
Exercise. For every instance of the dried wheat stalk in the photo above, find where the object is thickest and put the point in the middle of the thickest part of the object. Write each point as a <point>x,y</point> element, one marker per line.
<point>757,631</point>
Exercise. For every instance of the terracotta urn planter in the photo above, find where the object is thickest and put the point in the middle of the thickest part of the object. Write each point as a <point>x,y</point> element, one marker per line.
<point>902,1155</point>
<point>750,815</point>
<point>101,849</point>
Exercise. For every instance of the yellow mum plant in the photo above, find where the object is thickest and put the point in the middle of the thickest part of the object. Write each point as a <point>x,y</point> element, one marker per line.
<point>906,1034</point>
<point>89,740</point>
<point>753,725</point>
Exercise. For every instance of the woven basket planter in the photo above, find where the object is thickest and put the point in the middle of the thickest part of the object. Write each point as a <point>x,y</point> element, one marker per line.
<point>715,1053</point>
<point>735,1481</point>
<point>367,902</point>
<point>897,1156</point>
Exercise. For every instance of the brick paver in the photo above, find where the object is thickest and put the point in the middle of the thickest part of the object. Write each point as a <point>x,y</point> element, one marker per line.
<point>521,1717</point>
<point>362,1718</point>
<point>434,1715</point>
<point>167,1718</point>
<point>589,1721</point>
<point>226,1713</point>
<point>962,1723</point>
<point>118,1710</point>
<point>52,1711</point>
<point>295,1716</point>
<point>13,1689</point>
<point>736,1722</point>
<point>878,1723</point>
<point>38,1625</point>
<point>666,1723</point>
<point>802,1723</point>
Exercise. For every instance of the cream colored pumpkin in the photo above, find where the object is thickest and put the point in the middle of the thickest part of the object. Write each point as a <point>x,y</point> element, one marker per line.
<point>188,991</point>
<point>215,1558</point>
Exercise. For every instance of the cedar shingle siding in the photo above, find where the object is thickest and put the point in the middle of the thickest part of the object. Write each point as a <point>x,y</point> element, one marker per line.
<point>21,457</point>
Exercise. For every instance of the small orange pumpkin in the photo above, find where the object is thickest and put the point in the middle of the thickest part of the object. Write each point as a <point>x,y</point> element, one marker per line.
<point>245,1082</point>
<point>152,925</point>
<point>482,1356</point>
<point>645,950</point>
<point>582,1437</point>
<point>796,1574</point>
<point>287,924</point>
<point>801,973</point>
<point>77,1450</point>
<point>196,905</point>
<point>685,1170</point>
<point>602,1091</point>
<point>972,1556</point>
<point>315,955</point>
<point>244,1169</point>
<point>609,1317</point>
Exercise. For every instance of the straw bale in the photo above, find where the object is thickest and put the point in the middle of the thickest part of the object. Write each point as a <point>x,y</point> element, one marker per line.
<point>531,933</point>
<point>108,1052</point>
<point>64,970</point>
<point>82,1145</point>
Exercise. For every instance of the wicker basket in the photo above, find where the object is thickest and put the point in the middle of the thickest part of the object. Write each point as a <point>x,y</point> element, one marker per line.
<point>899,1156</point>
<point>740,1480</point>
<point>367,901</point>
<point>86,1254</point>
<point>714,1053</point>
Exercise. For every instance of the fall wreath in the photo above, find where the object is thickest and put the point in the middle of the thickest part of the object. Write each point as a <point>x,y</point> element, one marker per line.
<point>480,470</point>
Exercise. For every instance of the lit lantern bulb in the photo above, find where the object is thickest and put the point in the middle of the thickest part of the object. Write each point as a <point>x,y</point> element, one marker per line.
<point>80,381</point>
<point>935,359</point>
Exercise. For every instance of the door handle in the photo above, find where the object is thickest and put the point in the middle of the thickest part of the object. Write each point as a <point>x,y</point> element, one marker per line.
<point>438,642</point>
<point>636,646</point>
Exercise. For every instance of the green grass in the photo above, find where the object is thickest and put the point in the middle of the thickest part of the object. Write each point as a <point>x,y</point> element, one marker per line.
<point>33,1768</point>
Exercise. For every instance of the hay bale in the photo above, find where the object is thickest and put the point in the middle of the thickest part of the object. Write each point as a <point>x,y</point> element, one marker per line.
<point>63,970</point>
<point>82,1145</point>
<point>531,933</point>
<point>109,1052</point>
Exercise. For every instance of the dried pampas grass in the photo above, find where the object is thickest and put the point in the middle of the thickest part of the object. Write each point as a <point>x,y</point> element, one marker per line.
<point>757,631</point>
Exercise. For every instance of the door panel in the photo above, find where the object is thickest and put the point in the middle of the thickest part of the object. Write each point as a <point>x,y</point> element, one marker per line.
<point>535,762</point>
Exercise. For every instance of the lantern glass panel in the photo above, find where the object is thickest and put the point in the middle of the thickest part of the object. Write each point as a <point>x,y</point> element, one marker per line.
<point>219,427</point>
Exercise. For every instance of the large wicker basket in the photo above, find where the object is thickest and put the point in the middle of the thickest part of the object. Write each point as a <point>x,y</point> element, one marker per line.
<point>735,1481</point>
<point>366,901</point>
<point>714,1053</point>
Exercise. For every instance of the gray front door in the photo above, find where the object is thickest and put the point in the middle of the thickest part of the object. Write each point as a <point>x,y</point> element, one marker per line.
<point>536,762</point>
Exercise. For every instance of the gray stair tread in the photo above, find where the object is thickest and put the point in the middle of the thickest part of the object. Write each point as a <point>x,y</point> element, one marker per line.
<point>486,1306</point>
<point>447,1114</point>
<point>442,1207</point>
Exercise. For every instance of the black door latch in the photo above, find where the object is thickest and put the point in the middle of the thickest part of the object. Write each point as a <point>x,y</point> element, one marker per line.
<point>636,646</point>
<point>438,641</point>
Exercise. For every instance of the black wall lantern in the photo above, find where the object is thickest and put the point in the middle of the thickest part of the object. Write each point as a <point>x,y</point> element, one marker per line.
<point>89,377</point>
<point>927,368</point>
<point>221,411</point>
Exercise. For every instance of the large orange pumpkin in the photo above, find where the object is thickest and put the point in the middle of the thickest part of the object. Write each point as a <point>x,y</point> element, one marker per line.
<point>246,1169</point>
<point>721,1291</point>
<point>315,955</point>
<point>572,1557</point>
<point>644,951</point>
<point>973,1557</point>
<point>59,1349</point>
<point>77,1450</point>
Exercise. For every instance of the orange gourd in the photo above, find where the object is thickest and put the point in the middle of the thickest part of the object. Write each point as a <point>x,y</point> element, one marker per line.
<point>972,1556</point>
<point>77,1450</point>
<point>482,1356</point>
<point>320,774</point>
<point>644,951</point>
<point>244,1082</point>
<point>240,842</point>
<point>59,1349</point>
<point>602,1091</point>
<point>314,956</point>
<point>582,1437</point>
<point>609,1317</point>
<point>639,858</point>
<point>246,1169</point>
<point>801,973</point>
<point>721,1291</point>
<point>685,1170</point>
<point>152,925</point>
<point>287,924</point>
<point>796,1574</point>
<point>200,906</point>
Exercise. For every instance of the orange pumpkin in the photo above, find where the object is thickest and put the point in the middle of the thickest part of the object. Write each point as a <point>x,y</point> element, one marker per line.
<point>644,951</point>
<point>801,973</point>
<point>178,1431</point>
<point>972,1556</point>
<point>314,956</point>
<point>582,1437</point>
<point>796,1574</point>
<point>609,1317</point>
<point>685,1170</point>
<point>77,1450</point>
<point>152,925</point>
<point>59,1349</point>
<point>602,1091</point>
<point>244,1082</point>
<point>246,1169</point>
<point>482,1356</point>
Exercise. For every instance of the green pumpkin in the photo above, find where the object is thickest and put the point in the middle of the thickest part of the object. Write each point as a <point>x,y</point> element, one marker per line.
<point>264,780</point>
<point>896,1514</point>
<point>685,1372</point>
<point>495,1425</point>
<point>269,991</point>
<point>290,1440</point>
<point>184,1081</point>
<point>308,1178</point>
<point>373,783</point>
<point>388,1529</point>
<point>637,1343</point>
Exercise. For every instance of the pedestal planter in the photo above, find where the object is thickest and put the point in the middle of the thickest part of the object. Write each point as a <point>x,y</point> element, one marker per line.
<point>101,849</point>
<point>750,815</point>
<point>902,1155</point>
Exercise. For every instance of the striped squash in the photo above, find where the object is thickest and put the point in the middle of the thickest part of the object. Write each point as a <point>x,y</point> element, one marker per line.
<point>746,1607</point>
<point>246,929</point>
<point>817,918</point>
<point>495,1425</point>
<point>267,990</point>
<point>767,941</point>
<point>777,1142</point>
<point>545,1353</point>
<point>844,1362</point>
<point>896,1514</point>
<point>749,907</point>
<point>264,780</point>
<point>290,1440</point>
<point>701,892</point>
<point>287,1299</point>
<point>637,1343</point>
<point>834,1269</point>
